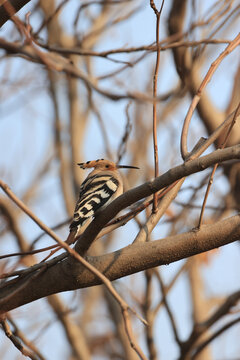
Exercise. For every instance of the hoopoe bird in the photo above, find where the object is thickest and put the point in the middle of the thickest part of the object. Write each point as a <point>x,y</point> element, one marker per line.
<point>101,186</point>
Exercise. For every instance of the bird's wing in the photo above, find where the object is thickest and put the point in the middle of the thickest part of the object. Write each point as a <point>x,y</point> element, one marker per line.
<point>95,192</point>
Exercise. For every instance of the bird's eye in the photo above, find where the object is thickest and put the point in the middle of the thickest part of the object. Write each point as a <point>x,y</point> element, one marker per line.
<point>106,166</point>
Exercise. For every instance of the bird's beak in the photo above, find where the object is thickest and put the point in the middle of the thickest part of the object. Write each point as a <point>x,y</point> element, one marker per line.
<point>127,167</point>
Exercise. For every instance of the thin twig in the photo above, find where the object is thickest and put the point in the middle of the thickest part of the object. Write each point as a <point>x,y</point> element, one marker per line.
<point>49,19</point>
<point>30,252</point>
<point>182,269</point>
<point>96,2</point>
<point>232,46</point>
<point>222,146</point>
<point>214,336</point>
<point>27,211</point>
<point>149,314</point>
<point>200,328</point>
<point>211,139</point>
<point>31,269</point>
<point>123,144</point>
<point>155,78</point>
<point>162,46</point>
<point>16,342</point>
<point>55,227</point>
<point>130,335</point>
<point>30,344</point>
<point>169,312</point>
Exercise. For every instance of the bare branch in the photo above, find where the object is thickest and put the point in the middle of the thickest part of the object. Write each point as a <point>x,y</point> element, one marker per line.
<point>16,342</point>
<point>4,9</point>
<point>118,264</point>
<point>232,46</point>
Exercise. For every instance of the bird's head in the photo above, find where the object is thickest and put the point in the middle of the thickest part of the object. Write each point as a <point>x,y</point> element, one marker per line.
<point>102,164</point>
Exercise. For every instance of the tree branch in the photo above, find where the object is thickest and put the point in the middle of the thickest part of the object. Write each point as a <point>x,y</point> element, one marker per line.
<point>70,275</point>
<point>14,4</point>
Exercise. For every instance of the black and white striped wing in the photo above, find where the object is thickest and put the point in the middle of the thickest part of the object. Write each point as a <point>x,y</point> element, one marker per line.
<point>95,193</point>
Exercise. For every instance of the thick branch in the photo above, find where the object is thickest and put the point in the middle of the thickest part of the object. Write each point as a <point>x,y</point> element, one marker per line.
<point>70,275</point>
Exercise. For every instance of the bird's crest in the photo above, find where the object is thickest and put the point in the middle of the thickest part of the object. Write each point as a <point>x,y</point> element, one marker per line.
<point>103,164</point>
<point>99,164</point>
